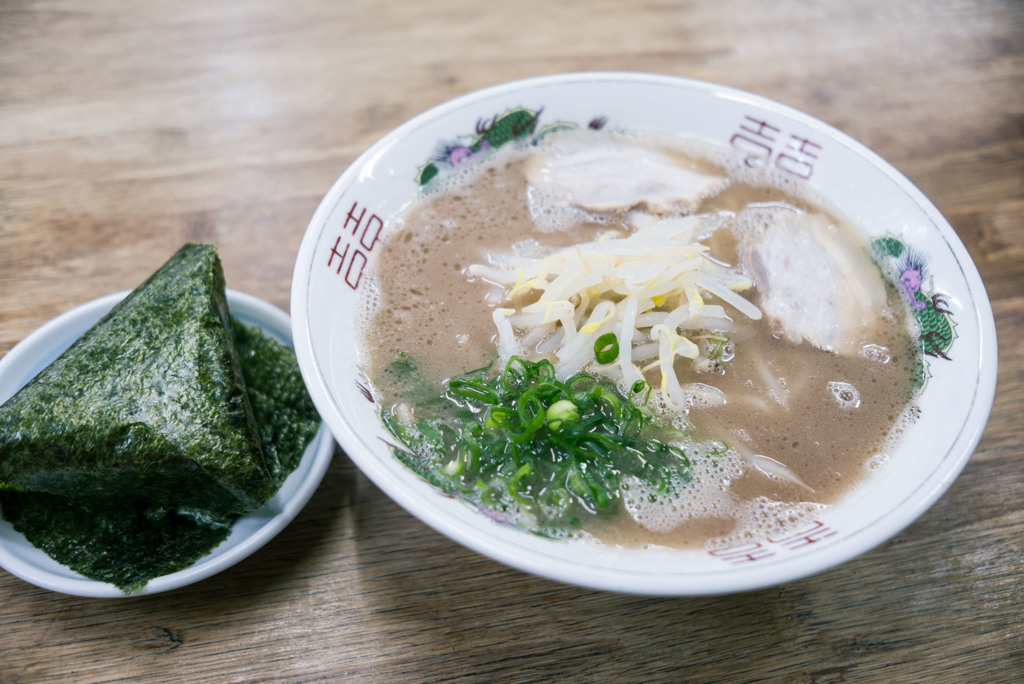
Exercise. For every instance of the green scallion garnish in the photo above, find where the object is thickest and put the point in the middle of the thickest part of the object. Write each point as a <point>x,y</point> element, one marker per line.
<point>606,348</point>
<point>527,442</point>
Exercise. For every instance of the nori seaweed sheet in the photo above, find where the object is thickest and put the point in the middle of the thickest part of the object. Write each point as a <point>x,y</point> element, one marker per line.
<point>124,544</point>
<point>285,415</point>
<point>131,454</point>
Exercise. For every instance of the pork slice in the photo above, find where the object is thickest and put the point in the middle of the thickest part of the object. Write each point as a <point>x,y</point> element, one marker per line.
<point>816,280</point>
<point>619,177</point>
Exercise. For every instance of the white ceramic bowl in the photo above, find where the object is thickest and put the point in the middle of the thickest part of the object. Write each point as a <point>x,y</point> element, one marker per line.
<point>249,532</point>
<point>360,209</point>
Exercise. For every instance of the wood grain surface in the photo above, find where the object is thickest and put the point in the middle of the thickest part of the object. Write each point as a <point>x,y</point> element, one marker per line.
<point>128,128</point>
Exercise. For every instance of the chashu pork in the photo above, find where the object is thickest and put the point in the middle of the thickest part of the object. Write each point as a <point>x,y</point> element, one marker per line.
<point>617,176</point>
<point>817,282</point>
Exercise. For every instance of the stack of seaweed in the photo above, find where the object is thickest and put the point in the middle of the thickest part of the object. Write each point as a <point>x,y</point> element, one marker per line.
<point>130,456</point>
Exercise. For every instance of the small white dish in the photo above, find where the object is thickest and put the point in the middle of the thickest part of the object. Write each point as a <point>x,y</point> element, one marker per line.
<point>249,533</point>
<point>360,211</point>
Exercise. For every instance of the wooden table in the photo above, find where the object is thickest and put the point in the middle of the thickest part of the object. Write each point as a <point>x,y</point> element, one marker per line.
<point>128,128</point>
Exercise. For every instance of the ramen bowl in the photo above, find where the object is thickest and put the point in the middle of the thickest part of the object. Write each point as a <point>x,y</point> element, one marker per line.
<point>957,342</point>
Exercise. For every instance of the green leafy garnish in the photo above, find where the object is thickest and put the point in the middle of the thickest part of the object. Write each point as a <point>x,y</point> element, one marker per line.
<point>528,445</point>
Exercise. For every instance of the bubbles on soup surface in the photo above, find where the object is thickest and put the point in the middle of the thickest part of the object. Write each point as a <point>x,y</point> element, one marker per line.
<point>845,394</point>
<point>707,495</point>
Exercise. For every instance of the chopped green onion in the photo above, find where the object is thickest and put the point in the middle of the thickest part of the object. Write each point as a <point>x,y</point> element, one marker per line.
<point>526,441</point>
<point>606,348</point>
<point>474,391</point>
<point>561,412</point>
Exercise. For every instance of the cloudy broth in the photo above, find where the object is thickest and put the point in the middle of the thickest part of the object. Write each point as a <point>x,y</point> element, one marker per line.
<point>789,402</point>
